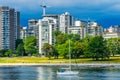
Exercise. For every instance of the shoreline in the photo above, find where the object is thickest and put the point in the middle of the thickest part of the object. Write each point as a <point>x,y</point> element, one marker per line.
<point>59,65</point>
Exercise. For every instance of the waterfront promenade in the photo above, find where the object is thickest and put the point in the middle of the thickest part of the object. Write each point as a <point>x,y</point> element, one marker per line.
<point>63,64</point>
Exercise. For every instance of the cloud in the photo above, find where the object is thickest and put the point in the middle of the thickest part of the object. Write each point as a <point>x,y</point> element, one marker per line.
<point>115,7</point>
<point>80,6</point>
<point>20,4</point>
<point>84,8</point>
<point>88,4</point>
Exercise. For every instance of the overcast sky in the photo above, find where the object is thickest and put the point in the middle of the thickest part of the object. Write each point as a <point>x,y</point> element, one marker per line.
<point>106,12</point>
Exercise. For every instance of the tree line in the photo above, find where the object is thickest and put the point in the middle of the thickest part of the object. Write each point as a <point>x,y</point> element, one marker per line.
<point>95,47</point>
<point>25,47</point>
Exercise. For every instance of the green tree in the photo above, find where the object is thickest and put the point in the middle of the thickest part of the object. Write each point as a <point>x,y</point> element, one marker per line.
<point>55,52</point>
<point>20,50</point>
<point>118,46</point>
<point>9,53</point>
<point>63,49</point>
<point>97,48</point>
<point>48,49</point>
<point>113,45</point>
<point>85,42</point>
<point>60,39</point>
<point>30,45</point>
<point>18,41</point>
<point>56,33</point>
<point>2,52</point>
<point>78,49</point>
<point>74,37</point>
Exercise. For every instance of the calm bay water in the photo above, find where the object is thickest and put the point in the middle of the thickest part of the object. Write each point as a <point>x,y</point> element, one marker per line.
<point>49,73</point>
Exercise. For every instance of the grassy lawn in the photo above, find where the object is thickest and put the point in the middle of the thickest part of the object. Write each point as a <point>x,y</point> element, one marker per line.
<point>60,60</point>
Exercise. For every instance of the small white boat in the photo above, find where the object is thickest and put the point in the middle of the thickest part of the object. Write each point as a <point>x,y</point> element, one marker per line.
<point>67,72</point>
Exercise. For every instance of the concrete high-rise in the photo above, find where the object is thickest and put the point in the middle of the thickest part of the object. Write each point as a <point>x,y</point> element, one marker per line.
<point>54,16</point>
<point>9,27</point>
<point>66,21</point>
<point>47,26</point>
<point>80,28</point>
<point>33,28</point>
<point>86,28</point>
<point>94,29</point>
<point>23,32</point>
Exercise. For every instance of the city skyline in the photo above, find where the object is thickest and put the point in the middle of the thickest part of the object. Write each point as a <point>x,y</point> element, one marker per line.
<point>105,12</point>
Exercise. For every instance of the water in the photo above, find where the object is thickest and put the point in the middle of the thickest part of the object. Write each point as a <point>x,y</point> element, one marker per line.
<point>49,73</point>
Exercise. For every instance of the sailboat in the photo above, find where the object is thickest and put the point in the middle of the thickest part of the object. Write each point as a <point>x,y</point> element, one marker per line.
<point>67,71</point>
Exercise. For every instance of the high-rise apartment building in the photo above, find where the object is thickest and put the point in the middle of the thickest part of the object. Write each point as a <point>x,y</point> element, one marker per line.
<point>80,28</point>
<point>66,21</point>
<point>47,26</point>
<point>33,28</point>
<point>84,28</point>
<point>55,16</point>
<point>94,29</point>
<point>9,27</point>
<point>23,33</point>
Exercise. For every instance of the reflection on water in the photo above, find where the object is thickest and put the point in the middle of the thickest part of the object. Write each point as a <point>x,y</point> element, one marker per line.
<point>18,73</point>
<point>68,77</point>
<point>49,73</point>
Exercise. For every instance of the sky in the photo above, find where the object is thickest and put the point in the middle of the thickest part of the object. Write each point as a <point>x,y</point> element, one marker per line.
<point>105,12</point>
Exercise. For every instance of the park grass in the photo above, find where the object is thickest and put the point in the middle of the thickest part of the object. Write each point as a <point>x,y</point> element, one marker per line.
<point>115,59</point>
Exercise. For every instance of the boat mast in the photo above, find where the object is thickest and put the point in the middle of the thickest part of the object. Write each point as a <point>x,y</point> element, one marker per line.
<point>69,54</point>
